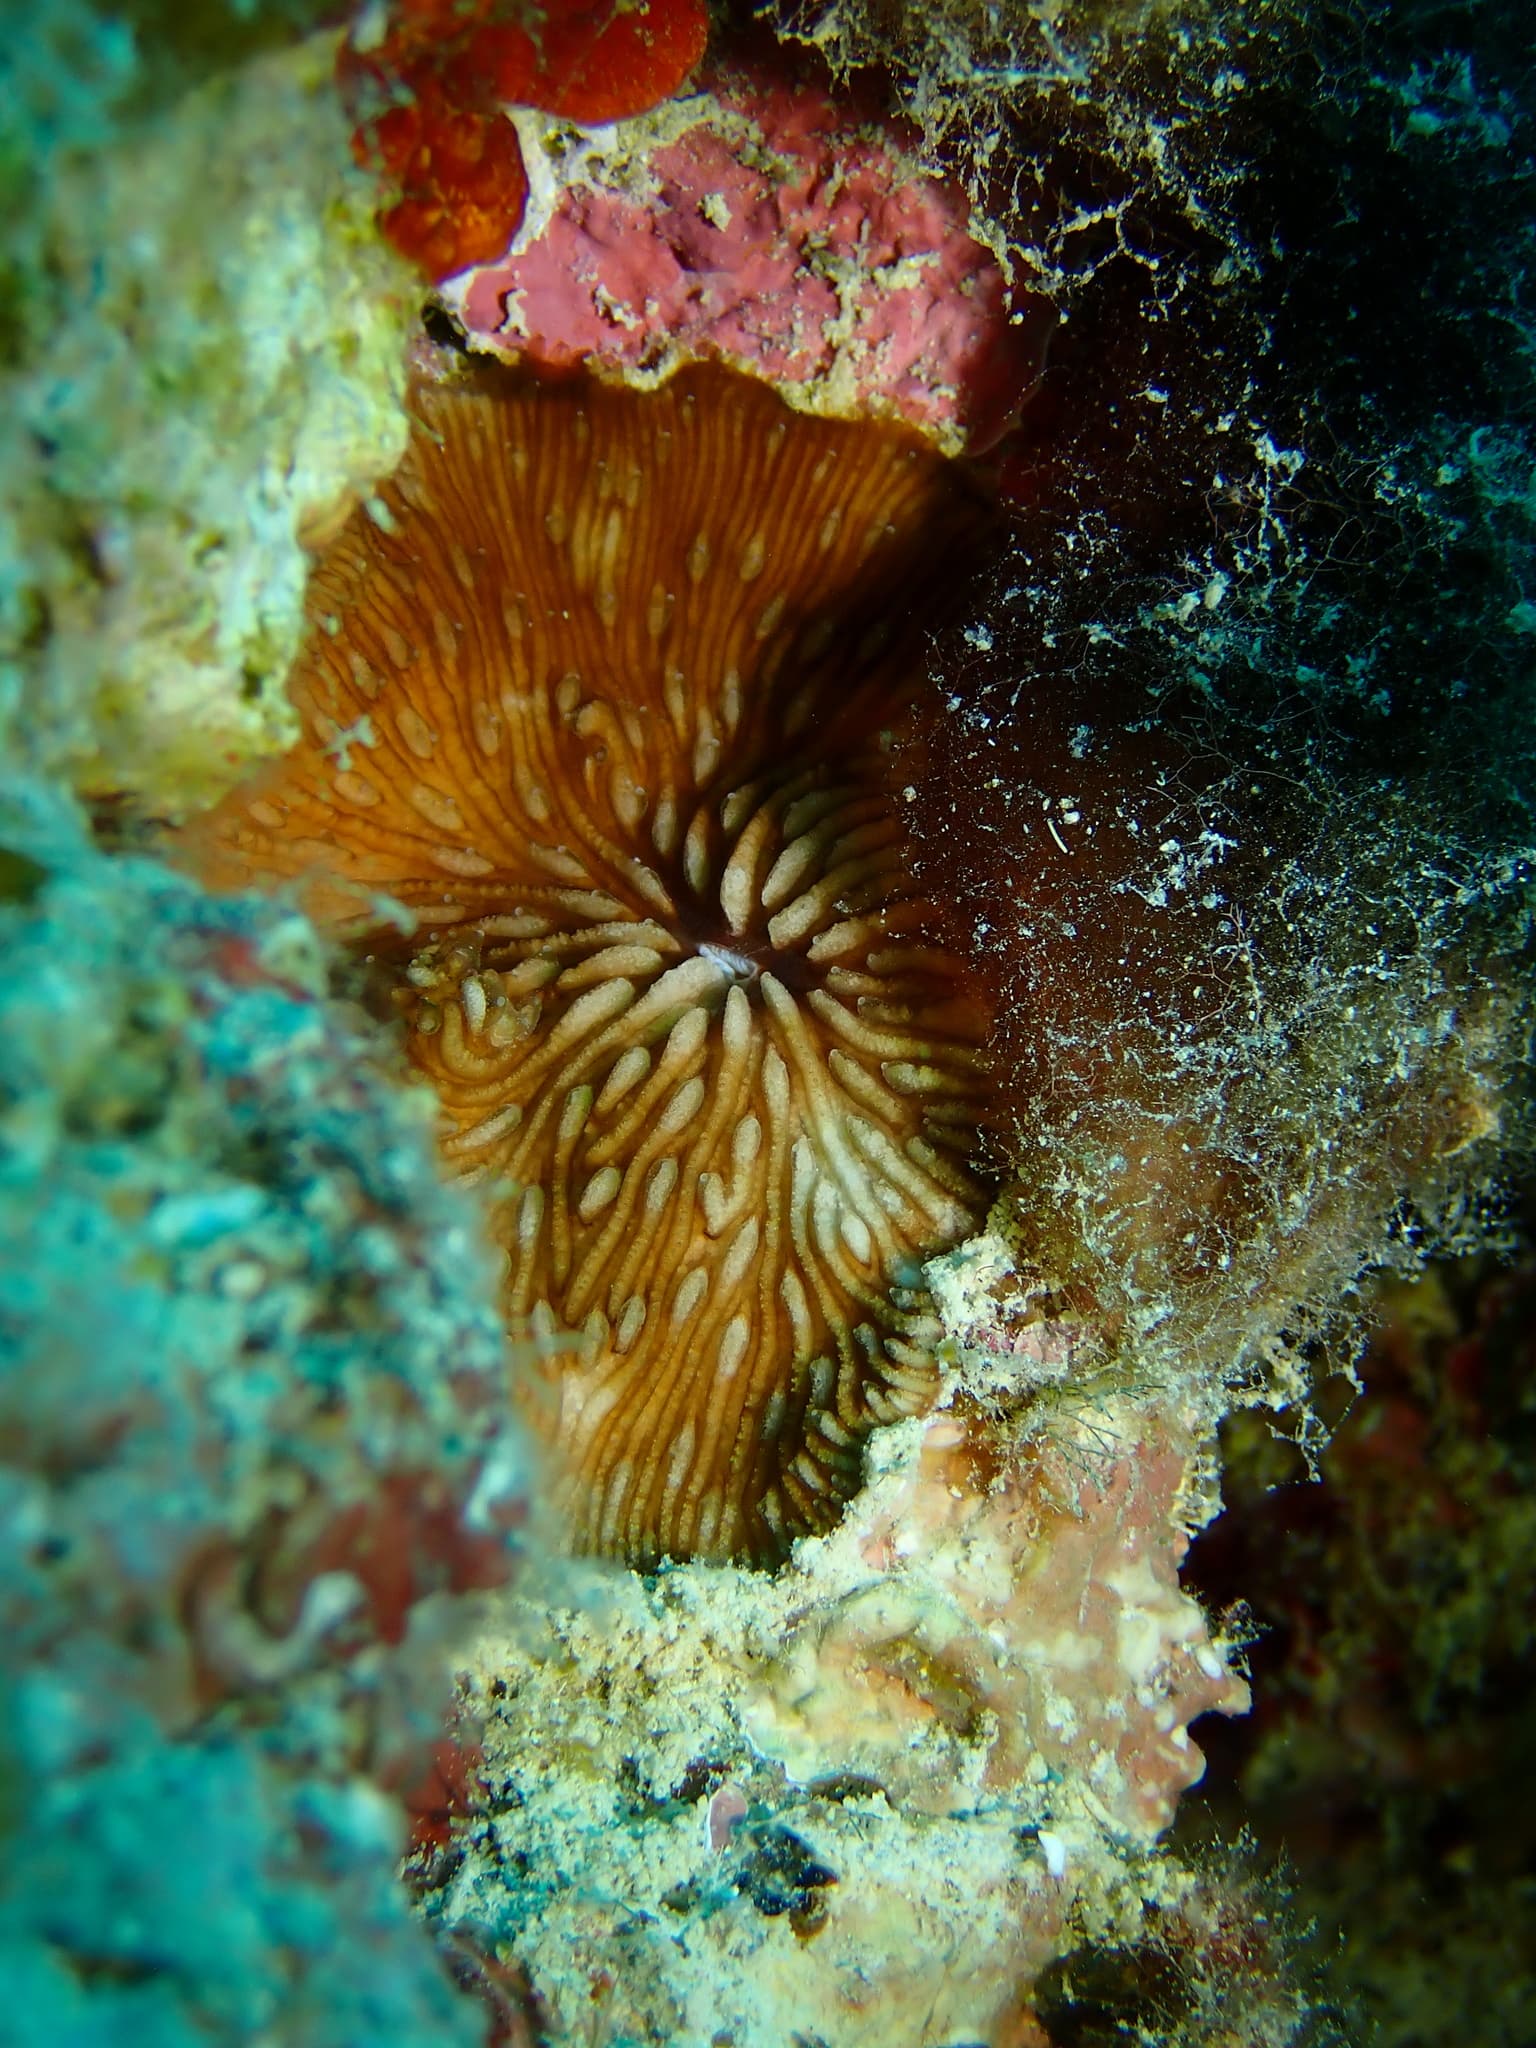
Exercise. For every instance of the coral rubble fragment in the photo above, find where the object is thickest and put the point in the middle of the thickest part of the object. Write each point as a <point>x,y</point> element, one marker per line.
<point>970,1702</point>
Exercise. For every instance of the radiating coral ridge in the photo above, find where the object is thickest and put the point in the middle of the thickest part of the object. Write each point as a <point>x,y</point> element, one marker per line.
<point>602,691</point>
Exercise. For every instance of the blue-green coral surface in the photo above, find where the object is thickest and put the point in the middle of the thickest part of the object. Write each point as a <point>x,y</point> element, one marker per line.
<point>229,1283</point>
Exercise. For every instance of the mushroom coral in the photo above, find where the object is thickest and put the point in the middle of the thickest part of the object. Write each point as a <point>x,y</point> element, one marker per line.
<point>602,689</point>
<point>759,916</point>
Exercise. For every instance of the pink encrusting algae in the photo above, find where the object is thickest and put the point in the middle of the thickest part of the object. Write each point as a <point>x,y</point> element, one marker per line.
<point>1042,1605</point>
<point>763,224</point>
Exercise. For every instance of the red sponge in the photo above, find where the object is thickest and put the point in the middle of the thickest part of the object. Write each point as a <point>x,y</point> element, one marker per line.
<point>428,96</point>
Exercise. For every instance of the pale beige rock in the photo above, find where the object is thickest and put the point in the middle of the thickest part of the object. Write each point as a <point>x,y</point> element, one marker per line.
<point>224,364</point>
<point>970,1704</point>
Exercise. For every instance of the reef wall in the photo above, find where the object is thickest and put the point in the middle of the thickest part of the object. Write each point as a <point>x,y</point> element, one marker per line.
<point>1199,780</point>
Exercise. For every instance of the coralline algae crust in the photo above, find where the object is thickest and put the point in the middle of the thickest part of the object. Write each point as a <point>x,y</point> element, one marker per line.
<point>874,1787</point>
<point>764,225</point>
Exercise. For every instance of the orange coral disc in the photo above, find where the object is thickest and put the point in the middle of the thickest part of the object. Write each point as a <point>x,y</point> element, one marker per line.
<point>602,691</point>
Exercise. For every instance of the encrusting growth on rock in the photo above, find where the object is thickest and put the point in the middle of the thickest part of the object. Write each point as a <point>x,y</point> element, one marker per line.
<point>601,689</point>
<point>431,81</point>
